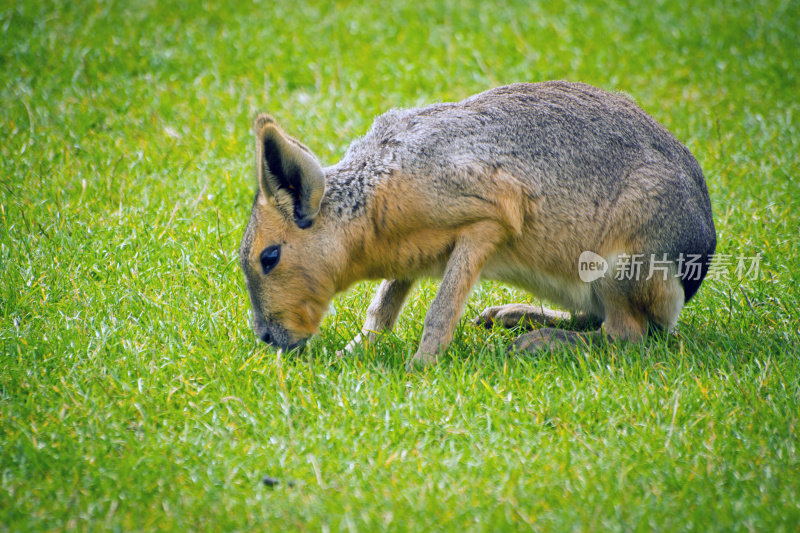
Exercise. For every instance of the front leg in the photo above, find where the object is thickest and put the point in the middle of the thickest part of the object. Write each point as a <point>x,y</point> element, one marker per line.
<point>382,311</point>
<point>472,248</point>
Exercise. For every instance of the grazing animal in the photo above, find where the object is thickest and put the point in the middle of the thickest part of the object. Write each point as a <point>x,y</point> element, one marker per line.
<point>515,184</point>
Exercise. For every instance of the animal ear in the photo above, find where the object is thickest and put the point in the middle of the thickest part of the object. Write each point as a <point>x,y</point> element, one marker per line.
<point>288,172</point>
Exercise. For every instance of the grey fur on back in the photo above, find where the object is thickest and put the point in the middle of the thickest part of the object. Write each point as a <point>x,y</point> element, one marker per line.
<point>578,148</point>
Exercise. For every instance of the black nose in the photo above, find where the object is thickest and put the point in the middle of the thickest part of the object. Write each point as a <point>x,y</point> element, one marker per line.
<point>266,337</point>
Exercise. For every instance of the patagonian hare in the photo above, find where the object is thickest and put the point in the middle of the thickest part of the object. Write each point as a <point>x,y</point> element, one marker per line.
<point>570,192</point>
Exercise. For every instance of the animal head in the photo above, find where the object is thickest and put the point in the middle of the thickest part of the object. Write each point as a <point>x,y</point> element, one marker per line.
<point>280,253</point>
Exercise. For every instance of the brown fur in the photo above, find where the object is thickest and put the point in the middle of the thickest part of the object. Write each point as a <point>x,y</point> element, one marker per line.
<point>458,191</point>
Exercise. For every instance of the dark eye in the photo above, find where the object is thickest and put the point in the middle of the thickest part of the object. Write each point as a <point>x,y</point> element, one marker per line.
<point>270,257</point>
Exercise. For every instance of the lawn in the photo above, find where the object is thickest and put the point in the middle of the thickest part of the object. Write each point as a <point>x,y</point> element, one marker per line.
<point>133,395</point>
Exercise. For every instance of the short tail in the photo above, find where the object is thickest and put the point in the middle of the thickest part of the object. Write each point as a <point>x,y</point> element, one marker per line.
<point>692,277</point>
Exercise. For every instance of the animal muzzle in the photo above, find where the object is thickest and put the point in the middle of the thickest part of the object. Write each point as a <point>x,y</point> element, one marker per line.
<point>274,334</point>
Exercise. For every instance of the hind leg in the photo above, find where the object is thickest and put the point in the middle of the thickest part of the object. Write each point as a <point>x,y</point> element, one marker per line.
<point>544,338</point>
<point>628,311</point>
<point>529,316</point>
<point>620,323</point>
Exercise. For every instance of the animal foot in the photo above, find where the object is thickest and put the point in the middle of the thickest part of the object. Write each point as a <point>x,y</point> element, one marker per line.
<point>420,361</point>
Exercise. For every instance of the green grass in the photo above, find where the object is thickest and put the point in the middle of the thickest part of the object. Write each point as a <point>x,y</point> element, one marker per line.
<point>132,392</point>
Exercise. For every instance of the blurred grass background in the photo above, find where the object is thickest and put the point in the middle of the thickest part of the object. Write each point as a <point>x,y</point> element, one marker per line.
<point>133,395</point>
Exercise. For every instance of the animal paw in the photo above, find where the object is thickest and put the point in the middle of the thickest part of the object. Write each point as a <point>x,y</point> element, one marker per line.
<point>542,339</point>
<point>420,361</point>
